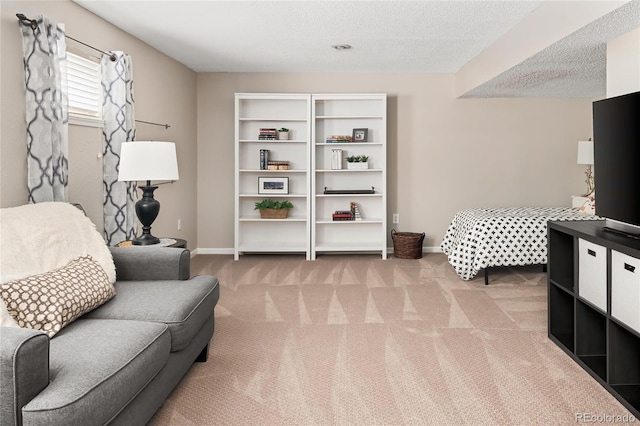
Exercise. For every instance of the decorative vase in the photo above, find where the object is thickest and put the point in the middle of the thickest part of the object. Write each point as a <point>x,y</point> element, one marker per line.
<point>358,165</point>
<point>283,136</point>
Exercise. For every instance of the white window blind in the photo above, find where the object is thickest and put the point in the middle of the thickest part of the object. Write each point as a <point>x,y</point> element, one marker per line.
<point>84,88</point>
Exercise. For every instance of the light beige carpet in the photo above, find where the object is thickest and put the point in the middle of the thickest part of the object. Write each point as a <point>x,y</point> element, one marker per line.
<point>356,340</point>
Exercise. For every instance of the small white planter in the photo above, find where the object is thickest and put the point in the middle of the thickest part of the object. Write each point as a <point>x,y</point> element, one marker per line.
<point>357,166</point>
<point>283,136</point>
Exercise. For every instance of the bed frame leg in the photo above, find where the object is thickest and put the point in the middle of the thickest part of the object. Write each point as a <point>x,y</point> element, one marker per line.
<point>486,276</point>
<point>544,267</point>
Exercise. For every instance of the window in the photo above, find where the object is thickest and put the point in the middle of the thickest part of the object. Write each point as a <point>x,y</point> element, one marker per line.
<point>84,89</point>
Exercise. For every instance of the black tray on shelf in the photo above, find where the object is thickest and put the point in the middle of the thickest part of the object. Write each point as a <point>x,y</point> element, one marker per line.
<point>349,191</point>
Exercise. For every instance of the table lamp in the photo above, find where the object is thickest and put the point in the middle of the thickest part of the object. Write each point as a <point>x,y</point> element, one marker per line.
<point>147,161</point>
<point>585,156</point>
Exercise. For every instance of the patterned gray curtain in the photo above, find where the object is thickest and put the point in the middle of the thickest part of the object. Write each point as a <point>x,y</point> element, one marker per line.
<point>47,105</point>
<point>119,127</point>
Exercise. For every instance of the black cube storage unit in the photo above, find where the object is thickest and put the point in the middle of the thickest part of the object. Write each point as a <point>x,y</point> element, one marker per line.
<point>606,346</point>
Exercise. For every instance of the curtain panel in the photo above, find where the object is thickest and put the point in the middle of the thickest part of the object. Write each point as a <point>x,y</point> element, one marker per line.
<point>47,109</point>
<point>119,127</point>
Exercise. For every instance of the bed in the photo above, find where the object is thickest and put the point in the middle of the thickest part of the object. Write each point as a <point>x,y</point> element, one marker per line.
<point>483,238</point>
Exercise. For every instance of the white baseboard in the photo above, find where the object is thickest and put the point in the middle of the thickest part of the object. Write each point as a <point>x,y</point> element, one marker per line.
<point>209,250</point>
<point>206,250</point>
<point>424,250</point>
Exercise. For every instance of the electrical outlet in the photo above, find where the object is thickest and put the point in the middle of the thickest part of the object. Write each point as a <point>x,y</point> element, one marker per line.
<point>396,218</point>
<point>179,224</point>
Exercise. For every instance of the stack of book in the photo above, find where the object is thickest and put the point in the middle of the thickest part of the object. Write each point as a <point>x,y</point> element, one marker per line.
<point>339,215</point>
<point>339,139</point>
<point>277,165</point>
<point>264,159</point>
<point>355,211</point>
<point>268,134</point>
<point>336,159</point>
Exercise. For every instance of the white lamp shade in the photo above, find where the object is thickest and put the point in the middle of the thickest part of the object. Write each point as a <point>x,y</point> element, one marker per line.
<point>148,161</point>
<point>585,152</point>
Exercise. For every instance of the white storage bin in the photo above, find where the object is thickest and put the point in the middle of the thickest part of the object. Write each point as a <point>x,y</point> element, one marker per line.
<point>625,289</point>
<point>592,273</point>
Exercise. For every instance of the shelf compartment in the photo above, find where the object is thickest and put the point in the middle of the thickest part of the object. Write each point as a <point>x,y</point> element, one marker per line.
<point>624,368</point>
<point>271,171</point>
<point>257,218</point>
<point>274,120</point>
<point>352,144</point>
<point>364,234</point>
<point>629,397</point>
<point>347,170</point>
<point>561,258</point>
<point>591,339</point>
<point>254,195</point>
<point>334,106</point>
<point>258,234</point>
<point>624,352</point>
<point>348,195</point>
<point>625,289</point>
<point>592,273</point>
<point>331,247</point>
<point>561,318</point>
<point>348,117</point>
<point>329,221</point>
<point>272,248</point>
<point>276,141</point>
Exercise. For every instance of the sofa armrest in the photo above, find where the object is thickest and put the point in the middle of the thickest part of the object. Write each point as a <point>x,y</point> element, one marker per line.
<point>153,263</point>
<point>24,370</point>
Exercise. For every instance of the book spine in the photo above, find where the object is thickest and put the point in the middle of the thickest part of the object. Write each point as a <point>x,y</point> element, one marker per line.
<point>264,159</point>
<point>336,159</point>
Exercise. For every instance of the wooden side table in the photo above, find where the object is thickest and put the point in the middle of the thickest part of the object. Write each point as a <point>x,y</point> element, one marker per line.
<point>180,243</point>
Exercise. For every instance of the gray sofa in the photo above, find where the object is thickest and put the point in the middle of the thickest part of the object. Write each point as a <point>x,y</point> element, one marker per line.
<point>118,363</point>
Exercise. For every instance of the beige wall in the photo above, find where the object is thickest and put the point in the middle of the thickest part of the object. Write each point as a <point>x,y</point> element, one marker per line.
<point>623,64</point>
<point>444,154</point>
<point>165,92</point>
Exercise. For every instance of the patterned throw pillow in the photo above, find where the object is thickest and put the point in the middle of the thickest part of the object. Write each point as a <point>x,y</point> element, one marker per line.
<point>50,301</point>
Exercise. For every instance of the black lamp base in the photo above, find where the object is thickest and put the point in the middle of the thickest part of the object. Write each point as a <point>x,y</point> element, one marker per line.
<point>145,240</point>
<point>147,209</point>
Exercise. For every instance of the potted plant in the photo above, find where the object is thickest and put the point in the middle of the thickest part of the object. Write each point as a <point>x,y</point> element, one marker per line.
<point>270,209</point>
<point>357,162</point>
<point>283,133</point>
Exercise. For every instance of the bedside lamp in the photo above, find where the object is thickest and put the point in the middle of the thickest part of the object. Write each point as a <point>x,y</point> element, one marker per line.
<point>585,156</point>
<point>147,161</point>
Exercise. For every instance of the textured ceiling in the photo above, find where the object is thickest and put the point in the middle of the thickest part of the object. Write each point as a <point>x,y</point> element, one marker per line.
<point>386,37</point>
<point>572,67</point>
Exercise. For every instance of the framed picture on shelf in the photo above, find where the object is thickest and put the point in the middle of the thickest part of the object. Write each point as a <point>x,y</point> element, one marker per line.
<point>273,185</point>
<point>359,135</point>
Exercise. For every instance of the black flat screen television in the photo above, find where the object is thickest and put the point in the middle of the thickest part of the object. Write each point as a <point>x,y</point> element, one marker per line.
<point>616,156</point>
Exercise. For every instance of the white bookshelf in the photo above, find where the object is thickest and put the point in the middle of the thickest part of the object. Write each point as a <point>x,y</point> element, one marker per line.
<point>311,118</point>
<point>339,114</point>
<point>254,111</point>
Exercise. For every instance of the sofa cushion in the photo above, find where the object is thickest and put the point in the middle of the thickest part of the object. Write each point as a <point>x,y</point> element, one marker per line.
<point>54,299</point>
<point>63,233</point>
<point>96,368</point>
<point>183,305</point>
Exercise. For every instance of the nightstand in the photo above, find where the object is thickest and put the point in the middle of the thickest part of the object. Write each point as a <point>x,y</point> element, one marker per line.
<point>578,200</point>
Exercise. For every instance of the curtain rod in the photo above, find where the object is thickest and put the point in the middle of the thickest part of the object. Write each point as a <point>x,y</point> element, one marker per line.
<point>34,25</point>
<point>166,126</point>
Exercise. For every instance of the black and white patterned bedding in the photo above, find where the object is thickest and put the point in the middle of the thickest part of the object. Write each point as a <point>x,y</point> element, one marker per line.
<point>481,238</point>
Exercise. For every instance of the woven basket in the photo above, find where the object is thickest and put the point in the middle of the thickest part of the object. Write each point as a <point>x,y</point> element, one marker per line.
<point>274,213</point>
<point>407,245</point>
